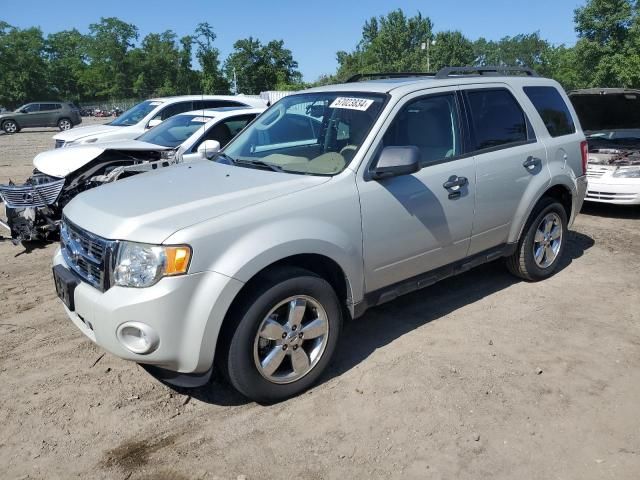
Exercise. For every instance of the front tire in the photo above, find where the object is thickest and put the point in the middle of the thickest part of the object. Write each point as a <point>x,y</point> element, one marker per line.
<point>282,335</point>
<point>10,127</point>
<point>542,244</point>
<point>65,124</point>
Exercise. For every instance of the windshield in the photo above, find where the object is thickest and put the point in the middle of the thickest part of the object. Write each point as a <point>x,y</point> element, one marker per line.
<point>309,133</point>
<point>135,114</point>
<point>175,130</point>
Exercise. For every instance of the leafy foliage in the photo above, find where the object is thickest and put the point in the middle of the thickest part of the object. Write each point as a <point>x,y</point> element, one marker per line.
<point>111,61</point>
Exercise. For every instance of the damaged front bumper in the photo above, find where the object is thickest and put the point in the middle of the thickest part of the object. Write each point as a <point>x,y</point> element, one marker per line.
<point>31,208</point>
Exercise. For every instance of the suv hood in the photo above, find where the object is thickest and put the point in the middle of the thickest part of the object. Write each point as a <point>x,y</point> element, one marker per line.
<point>83,132</point>
<point>62,161</point>
<point>607,110</point>
<point>151,207</point>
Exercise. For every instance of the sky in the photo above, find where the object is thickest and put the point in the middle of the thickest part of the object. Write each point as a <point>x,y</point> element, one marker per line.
<point>313,30</point>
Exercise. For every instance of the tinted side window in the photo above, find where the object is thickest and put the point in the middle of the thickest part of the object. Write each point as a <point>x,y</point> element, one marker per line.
<point>47,107</point>
<point>34,107</point>
<point>216,104</point>
<point>431,124</point>
<point>174,109</point>
<point>497,118</point>
<point>224,131</point>
<point>553,110</point>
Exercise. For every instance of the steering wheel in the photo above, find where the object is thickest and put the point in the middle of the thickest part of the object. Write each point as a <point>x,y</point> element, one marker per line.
<point>270,117</point>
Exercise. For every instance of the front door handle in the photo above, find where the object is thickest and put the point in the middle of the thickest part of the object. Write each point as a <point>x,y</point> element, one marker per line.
<point>531,163</point>
<point>454,185</point>
<point>455,182</point>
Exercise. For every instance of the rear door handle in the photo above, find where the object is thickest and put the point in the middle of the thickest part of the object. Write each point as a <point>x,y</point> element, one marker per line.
<point>531,163</point>
<point>455,182</point>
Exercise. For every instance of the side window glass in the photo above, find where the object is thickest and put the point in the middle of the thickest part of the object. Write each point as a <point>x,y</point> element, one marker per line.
<point>174,109</point>
<point>34,107</point>
<point>497,118</point>
<point>552,109</point>
<point>224,131</point>
<point>429,123</point>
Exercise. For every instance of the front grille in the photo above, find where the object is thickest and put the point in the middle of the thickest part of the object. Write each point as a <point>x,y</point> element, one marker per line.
<point>88,255</point>
<point>597,171</point>
<point>31,195</point>
<point>59,143</point>
<point>610,195</point>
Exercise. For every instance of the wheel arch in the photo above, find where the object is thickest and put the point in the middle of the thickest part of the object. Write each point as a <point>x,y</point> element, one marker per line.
<point>10,119</point>
<point>560,192</point>
<point>319,264</point>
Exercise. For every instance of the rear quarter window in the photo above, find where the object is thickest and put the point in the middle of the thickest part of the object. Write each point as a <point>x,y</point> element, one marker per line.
<point>552,109</point>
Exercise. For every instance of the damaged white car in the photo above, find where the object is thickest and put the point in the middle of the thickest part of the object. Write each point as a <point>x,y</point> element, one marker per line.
<point>34,209</point>
<point>610,118</point>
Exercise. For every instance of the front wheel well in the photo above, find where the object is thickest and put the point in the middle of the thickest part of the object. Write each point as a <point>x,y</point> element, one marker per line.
<point>321,265</point>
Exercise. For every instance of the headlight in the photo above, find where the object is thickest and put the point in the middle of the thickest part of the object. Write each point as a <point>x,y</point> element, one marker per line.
<point>142,265</point>
<point>627,172</point>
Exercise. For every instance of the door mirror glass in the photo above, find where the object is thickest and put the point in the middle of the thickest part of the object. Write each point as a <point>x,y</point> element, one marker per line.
<point>209,148</point>
<point>395,161</point>
<point>154,123</point>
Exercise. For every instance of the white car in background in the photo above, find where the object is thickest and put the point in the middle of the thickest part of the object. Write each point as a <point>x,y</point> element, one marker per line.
<point>610,118</point>
<point>148,114</point>
<point>34,209</point>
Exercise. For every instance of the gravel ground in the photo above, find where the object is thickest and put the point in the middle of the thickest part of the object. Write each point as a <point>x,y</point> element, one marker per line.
<point>480,376</point>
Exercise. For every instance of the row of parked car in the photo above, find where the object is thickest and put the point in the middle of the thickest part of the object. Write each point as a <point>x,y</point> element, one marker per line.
<point>245,237</point>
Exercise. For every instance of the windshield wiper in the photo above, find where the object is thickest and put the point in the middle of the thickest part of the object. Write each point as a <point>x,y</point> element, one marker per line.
<point>256,163</point>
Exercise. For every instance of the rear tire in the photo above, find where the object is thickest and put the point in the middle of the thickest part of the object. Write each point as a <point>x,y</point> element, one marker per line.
<point>65,124</point>
<point>10,127</point>
<point>542,243</point>
<point>265,352</point>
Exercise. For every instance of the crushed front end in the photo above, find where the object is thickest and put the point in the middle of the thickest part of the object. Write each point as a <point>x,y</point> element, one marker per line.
<point>33,210</point>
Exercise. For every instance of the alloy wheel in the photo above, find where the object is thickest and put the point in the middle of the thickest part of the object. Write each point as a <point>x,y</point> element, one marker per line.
<point>291,339</point>
<point>547,240</point>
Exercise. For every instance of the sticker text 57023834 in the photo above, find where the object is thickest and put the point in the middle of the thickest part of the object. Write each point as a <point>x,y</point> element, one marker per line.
<point>352,103</point>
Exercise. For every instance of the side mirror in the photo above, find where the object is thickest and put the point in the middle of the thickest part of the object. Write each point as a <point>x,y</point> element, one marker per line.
<point>209,148</point>
<point>154,123</point>
<point>23,110</point>
<point>396,161</point>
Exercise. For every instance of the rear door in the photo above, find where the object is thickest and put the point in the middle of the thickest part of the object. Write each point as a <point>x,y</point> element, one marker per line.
<point>414,223</point>
<point>509,159</point>
<point>49,114</point>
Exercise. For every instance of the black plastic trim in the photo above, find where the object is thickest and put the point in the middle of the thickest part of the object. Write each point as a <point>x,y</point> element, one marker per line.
<point>391,292</point>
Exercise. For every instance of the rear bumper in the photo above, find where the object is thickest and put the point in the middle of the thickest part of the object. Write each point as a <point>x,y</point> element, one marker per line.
<point>623,192</point>
<point>184,312</point>
<point>578,200</point>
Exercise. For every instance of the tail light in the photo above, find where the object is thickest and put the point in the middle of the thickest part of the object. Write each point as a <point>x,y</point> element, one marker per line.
<point>584,148</point>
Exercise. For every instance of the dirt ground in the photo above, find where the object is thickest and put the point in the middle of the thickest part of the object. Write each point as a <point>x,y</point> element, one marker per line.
<point>480,376</point>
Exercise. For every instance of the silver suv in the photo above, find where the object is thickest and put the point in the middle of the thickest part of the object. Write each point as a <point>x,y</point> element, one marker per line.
<point>334,200</point>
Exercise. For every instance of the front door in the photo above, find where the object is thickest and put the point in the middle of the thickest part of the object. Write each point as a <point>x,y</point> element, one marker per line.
<point>32,116</point>
<point>416,223</point>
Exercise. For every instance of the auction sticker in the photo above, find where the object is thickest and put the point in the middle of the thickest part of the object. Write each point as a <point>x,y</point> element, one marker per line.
<point>352,103</point>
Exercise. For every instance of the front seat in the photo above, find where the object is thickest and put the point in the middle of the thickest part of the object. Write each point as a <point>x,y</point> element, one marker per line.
<point>221,133</point>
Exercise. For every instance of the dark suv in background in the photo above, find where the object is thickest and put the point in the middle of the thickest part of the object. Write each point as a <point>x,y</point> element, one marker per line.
<point>41,114</point>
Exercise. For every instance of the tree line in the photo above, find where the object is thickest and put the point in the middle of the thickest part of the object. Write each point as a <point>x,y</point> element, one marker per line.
<point>110,61</point>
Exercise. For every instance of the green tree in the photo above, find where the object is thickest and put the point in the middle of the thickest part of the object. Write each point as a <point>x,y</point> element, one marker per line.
<point>606,52</point>
<point>212,80</point>
<point>452,49</point>
<point>23,67</point>
<point>259,68</point>
<point>158,65</point>
<point>66,54</point>
<point>110,73</point>
<point>390,43</point>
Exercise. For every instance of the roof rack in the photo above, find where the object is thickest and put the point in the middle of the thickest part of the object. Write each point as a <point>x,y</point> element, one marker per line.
<point>371,76</point>
<point>447,72</point>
